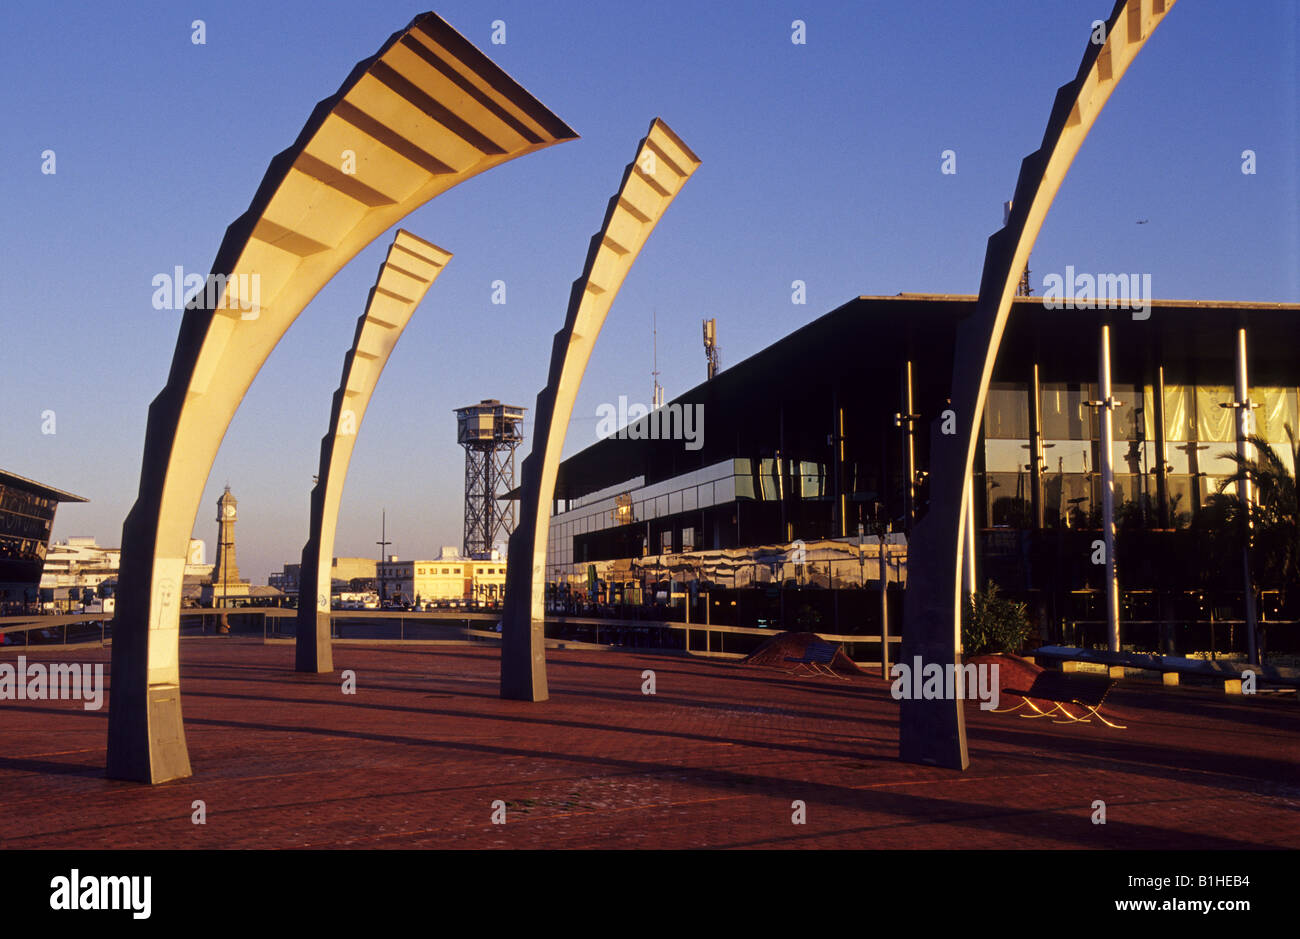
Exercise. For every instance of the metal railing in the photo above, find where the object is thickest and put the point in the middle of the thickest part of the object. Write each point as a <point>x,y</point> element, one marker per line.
<point>272,618</point>
<point>26,625</point>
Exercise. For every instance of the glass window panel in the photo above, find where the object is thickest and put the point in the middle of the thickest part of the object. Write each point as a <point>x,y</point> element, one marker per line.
<point>1218,461</point>
<point>1009,499</point>
<point>1065,416</point>
<point>1182,455</point>
<point>1277,408</point>
<point>730,488</point>
<point>1133,456</point>
<point>1069,456</point>
<point>811,480</point>
<point>1129,489</point>
<point>1213,422</point>
<point>1180,500</point>
<point>1006,412</point>
<point>1128,421</point>
<point>689,499</point>
<point>1078,500</point>
<point>1180,412</point>
<point>1148,412</point>
<point>1006,456</point>
<point>767,479</point>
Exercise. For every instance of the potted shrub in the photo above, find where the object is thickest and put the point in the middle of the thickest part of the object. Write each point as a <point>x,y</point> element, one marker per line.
<point>993,624</point>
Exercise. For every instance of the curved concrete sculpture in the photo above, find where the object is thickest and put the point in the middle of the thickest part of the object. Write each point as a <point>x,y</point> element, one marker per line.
<point>424,113</point>
<point>934,731</point>
<point>404,278</point>
<point>650,183</point>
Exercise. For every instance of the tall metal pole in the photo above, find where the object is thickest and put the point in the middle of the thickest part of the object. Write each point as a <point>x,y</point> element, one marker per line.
<point>1162,457</point>
<point>1245,490</point>
<point>909,445</point>
<point>884,608</point>
<point>1036,447</point>
<point>225,569</point>
<point>383,543</point>
<point>1107,406</point>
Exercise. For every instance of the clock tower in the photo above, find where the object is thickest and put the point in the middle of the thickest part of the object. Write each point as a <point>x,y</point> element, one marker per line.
<point>225,574</point>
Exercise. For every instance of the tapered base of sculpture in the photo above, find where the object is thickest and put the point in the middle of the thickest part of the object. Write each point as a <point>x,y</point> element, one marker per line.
<point>933,732</point>
<point>314,650</point>
<point>523,660</point>
<point>147,744</point>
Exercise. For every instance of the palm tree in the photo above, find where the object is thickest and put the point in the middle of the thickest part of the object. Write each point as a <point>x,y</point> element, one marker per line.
<point>1275,511</point>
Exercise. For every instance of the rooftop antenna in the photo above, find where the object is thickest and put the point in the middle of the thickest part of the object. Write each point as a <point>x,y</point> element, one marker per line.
<point>711,346</point>
<point>657,392</point>
<point>1023,289</point>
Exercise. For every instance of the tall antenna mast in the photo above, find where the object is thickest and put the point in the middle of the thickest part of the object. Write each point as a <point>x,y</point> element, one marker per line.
<point>1023,289</point>
<point>383,543</point>
<point>657,392</point>
<point>711,346</point>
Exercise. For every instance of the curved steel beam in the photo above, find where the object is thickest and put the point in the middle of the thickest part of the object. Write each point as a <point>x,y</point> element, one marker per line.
<point>650,183</point>
<point>424,113</point>
<point>405,276</point>
<point>934,731</point>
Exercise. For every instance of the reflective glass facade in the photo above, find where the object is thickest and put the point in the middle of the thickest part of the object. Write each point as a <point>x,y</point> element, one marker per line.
<point>26,519</point>
<point>1198,433</point>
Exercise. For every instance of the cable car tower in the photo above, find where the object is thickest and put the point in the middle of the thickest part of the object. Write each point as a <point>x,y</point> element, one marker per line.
<point>489,431</point>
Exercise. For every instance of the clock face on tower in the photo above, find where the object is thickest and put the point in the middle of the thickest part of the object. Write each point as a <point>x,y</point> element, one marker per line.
<point>230,511</point>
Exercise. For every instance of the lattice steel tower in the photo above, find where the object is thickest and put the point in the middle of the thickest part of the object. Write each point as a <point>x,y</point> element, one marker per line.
<point>489,431</point>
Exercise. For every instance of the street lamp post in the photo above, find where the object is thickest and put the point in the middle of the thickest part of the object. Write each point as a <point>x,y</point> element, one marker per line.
<point>881,527</point>
<point>1106,407</point>
<point>383,543</point>
<point>1245,491</point>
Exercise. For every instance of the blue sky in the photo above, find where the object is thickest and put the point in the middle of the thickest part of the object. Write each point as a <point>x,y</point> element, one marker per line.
<point>821,162</point>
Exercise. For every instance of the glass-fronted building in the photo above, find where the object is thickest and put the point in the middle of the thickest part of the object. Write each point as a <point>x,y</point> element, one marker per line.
<point>26,519</point>
<point>829,428</point>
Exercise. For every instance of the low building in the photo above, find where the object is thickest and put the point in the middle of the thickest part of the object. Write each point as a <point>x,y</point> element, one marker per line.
<point>489,578</point>
<point>449,577</point>
<point>79,562</point>
<point>26,520</point>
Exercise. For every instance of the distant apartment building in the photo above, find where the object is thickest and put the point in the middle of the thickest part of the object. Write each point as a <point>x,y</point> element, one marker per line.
<point>449,577</point>
<point>286,579</point>
<point>79,562</point>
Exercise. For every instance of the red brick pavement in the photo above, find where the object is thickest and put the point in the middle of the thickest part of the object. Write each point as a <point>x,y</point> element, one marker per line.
<point>416,758</point>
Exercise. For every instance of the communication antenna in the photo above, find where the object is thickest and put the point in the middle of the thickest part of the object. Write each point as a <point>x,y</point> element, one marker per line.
<point>711,346</point>
<point>1023,289</point>
<point>657,392</point>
